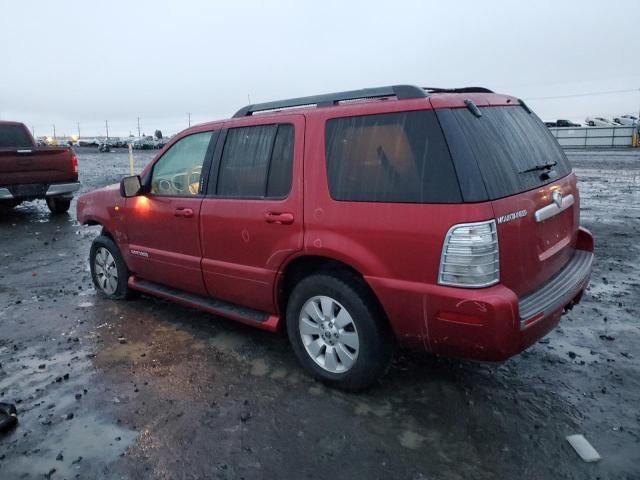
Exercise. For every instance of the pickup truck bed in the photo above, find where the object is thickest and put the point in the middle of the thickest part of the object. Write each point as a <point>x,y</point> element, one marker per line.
<point>28,172</point>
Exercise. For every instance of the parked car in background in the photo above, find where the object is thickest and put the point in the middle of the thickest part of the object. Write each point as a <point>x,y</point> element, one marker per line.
<point>566,123</point>
<point>143,143</point>
<point>629,120</point>
<point>599,122</point>
<point>29,172</point>
<point>445,220</point>
<point>160,142</point>
<point>88,142</point>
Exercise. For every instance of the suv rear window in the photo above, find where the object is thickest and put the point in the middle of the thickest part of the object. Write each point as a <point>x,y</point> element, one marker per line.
<point>393,157</point>
<point>14,136</point>
<point>504,143</point>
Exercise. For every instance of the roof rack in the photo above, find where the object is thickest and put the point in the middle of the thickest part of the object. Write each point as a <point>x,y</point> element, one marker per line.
<point>402,92</point>
<point>459,90</point>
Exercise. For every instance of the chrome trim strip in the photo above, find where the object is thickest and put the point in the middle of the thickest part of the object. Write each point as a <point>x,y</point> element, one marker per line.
<point>560,289</point>
<point>62,188</point>
<point>5,194</point>
<point>552,210</point>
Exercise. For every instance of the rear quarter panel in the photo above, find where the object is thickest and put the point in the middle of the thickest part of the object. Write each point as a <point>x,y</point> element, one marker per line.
<point>395,246</point>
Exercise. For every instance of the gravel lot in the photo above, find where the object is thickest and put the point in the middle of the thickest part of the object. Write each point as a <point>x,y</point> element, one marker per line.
<point>148,389</point>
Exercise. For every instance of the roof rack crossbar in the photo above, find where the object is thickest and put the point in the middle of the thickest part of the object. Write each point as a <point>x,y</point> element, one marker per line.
<point>458,90</point>
<point>401,92</point>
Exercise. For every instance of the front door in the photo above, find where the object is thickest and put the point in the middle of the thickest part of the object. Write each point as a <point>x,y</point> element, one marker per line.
<point>162,226</point>
<point>252,219</point>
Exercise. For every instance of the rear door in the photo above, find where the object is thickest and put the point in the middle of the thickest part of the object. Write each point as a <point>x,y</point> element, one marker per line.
<point>163,225</point>
<point>525,174</point>
<point>251,221</point>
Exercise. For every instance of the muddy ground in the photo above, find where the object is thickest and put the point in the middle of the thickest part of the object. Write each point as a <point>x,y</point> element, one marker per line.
<point>148,389</point>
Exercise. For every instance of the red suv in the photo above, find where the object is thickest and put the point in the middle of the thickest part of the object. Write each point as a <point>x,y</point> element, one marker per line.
<point>446,220</point>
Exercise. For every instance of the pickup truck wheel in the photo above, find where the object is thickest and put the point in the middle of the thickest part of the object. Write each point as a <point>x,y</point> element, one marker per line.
<point>338,332</point>
<point>58,205</point>
<point>108,270</point>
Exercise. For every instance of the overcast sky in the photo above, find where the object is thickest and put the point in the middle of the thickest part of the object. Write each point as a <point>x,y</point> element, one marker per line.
<point>65,62</point>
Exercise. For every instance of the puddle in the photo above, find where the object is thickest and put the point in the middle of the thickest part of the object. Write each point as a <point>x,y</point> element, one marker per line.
<point>51,389</point>
<point>88,438</point>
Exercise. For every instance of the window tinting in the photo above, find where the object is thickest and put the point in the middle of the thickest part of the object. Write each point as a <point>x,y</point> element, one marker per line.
<point>14,136</point>
<point>395,157</point>
<point>256,162</point>
<point>279,182</point>
<point>178,171</point>
<point>505,142</point>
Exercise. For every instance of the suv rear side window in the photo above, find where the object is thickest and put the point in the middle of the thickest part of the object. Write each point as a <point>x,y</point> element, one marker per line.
<point>505,142</point>
<point>393,157</point>
<point>14,136</point>
<point>257,162</point>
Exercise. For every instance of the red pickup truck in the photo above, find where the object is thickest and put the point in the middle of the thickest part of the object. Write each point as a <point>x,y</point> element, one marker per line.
<point>28,172</point>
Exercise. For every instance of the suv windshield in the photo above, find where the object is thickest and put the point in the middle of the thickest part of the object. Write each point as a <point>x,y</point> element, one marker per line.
<point>509,147</point>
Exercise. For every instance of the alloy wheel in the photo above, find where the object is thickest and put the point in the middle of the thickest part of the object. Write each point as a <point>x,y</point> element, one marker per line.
<point>106,271</point>
<point>329,334</point>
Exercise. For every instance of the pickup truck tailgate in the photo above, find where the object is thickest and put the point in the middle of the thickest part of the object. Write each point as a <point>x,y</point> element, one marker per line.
<point>37,165</point>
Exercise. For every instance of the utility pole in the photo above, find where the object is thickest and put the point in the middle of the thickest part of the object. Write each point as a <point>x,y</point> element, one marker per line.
<point>33,131</point>
<point>106,124</point>
<point>54,131</point>
<point>138,126</point>
<point>78,131</point>
<point>189,116</point>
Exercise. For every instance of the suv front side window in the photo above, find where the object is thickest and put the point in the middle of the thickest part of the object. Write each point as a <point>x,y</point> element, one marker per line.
<point>179,171</point>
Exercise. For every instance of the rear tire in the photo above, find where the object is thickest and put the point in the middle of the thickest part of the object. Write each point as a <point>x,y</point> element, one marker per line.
<point>58,205</point>
<point>109,272</point>
<point>338,331</point>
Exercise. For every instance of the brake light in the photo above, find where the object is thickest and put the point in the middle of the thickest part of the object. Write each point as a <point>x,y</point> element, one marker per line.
<point>74,164</point>
<point>470,255</point>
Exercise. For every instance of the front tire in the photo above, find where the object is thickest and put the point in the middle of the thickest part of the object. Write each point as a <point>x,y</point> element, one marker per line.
<point>109,272</point>
<point>338,331</point>
<point>58,205</point>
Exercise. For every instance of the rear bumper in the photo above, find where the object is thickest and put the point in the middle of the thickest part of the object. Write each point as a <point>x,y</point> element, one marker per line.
<point>490,324</point>
<point>31,191</point>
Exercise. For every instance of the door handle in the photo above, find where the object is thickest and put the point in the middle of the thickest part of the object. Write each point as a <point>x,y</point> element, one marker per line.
<point>283,218</point>
<point>183,212</point>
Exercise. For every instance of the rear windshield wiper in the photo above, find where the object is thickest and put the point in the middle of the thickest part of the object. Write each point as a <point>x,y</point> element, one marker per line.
<point>544,166</point>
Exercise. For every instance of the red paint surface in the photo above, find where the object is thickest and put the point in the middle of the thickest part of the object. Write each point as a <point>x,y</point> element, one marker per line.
<point>229,250</point>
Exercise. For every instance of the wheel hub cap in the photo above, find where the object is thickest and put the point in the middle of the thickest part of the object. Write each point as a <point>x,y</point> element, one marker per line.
<point>106,271</point>
<point>329,334</point>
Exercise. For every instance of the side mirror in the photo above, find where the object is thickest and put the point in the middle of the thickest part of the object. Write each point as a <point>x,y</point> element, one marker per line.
<point>130,186</point>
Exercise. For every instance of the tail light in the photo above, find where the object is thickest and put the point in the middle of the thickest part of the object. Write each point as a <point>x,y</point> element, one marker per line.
<point>74,164</point>
<point>470,256</point>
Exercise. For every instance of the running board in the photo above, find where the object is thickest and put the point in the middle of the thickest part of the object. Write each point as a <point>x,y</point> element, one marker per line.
<point>242,314</point>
